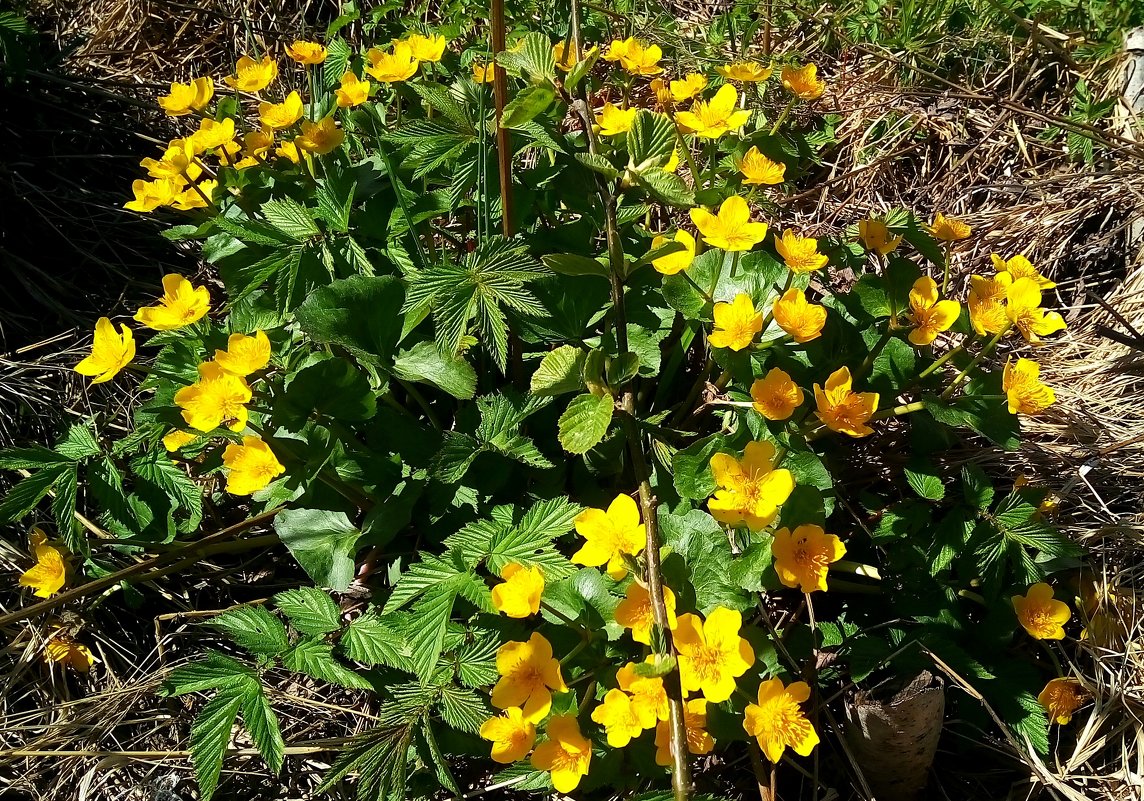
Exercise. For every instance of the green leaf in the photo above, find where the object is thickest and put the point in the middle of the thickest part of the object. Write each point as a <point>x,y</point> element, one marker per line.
<point>571,264</point>
<point>666,188</point>
<point>531,101</point>
<point>316,659</point>
<point>78,443</point>
<point>379,756</point>
<point>529,542</point>
<point>424,362</point>
<point>425,634</point>
<point>291,219</point>
<point>310,610</point>
<point>157,468</point>
<point>361,314</point>
<point>753,567</point>
<point>585,422</point>
<point>703,545</point>
<point>976,487</point>
<point>369,639</point>
<point>559,372</point>
<point>214,672</point>
<point>597,163</point>
<point>691,468</point>
<point>210,734</point>
<point>924,480</point>
<point>651,140</point>
<point>894,368</point>
<point>333,388</point>
<point>262,725</point>
<point>31,458</point>
<point>253,628</point>
<point>323,542</point>
<point>463,709</point>
<point>23,497</point>
<point>531,58</point>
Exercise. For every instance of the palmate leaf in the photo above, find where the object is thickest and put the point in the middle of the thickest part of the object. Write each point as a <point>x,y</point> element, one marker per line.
<point>528,542</point>
<point>210,735</point>
<point>373,640</point>
<point>315,658</point>
<point>493,276</point>
<point>379,757</point>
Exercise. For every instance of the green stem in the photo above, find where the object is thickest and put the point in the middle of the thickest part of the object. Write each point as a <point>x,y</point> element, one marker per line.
<point>706,295</point>
<point>868,362</point>
<point>985,351</point>
<point>945,358</point>
<point>898,411</point>
<point>771,311</point>
<point>783,116</point>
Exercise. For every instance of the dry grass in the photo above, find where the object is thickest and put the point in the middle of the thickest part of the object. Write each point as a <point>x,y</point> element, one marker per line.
<point>977,152</point>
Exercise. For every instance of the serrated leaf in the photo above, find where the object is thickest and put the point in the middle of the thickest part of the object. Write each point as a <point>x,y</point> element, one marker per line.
<point>310,610</point>
<point>571,264</point>
<point>599,164</point>
<point>372,641</point>
<point>316,659</point>
<point>291,219</point>
<point>262,725</point>
<point>463,709</point>
<point>425,635</point>
<point>31,458</point>
<point>651,139</point>
<point>925,481</point>
<point>666,188</point>
<point>157,468</point>
<point>424,362</point>
<point>210,735</point>
<point>253,628</point>
<point>585,422</point>
<point>559,372</point>
<point>214,672</point>
<point>23,497</point>
<point>530,102</point>
<point>78,443</point>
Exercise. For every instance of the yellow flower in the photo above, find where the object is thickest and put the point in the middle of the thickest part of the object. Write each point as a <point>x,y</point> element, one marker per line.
<point>182,304</point>
<point>750,490</point>
<point>353,92</point>
<point>803,556</point>
<point>619,718</point>
<point>649,698</point>
<point>759,170</point>
<point>110,352</point>
<point>400,65</point>
<point>1022,386</point>
<point>426,48</point>
<point>277,116</point>
<point>565,61</point>
<point>930,315</point>
<point>511,735</point>
<point>307,53</point>
<point>614,121</point>
<point>192,198</point>
<point>635,612</point>
<point>320,137</point>
<point>519,595</point>
<point>842,409</point>
<point>736,323</point>
<point>150,195</point>
<point>803,82</point>
<point>732,228</point>
<point>673,164</point>
<point>695,726</point>
<point>244,355</point>
<point>257,143</point>
<point>291,151</point>
<point>778,722</point>
<point>186,98</point>
<point>876,238</point>
<point>662,91</point>
<point>212,134</point>
<point>217,397</point>
<point>676,262</point>
<point>1041,615</point>
<point>50,572</point>
<point>640,60</point>
<point>691,85</point>
<point>528,676</point>
<point>63,649</point>
<point>1020,267</point>
<point>710,120</point>
<point>618,50</point>
<point>178,161</point>
<point>484,73</point>
<point>798,317</point>
<point>746,71</point>
<point>609,535</point>
<point>1061,698</point>
<point>948,229</point>
<point>1023,308</point>
<point>775,396</point>
<point>987,303</point>
<point>565,754</point>
<point>252,76</point>
<point>712,654</point>
<point>176,439</point>
<point>800,252</point>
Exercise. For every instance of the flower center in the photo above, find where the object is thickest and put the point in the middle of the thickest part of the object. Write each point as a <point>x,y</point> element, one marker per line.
<point>706,661</point>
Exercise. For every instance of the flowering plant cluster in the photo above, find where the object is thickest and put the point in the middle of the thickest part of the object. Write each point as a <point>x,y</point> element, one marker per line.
<point>655,445</point>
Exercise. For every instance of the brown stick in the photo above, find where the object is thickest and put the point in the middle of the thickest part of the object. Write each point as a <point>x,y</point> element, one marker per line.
<point>500,93</point>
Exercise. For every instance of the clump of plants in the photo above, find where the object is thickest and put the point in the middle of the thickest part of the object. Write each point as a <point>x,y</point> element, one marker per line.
<point>618,451</point>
